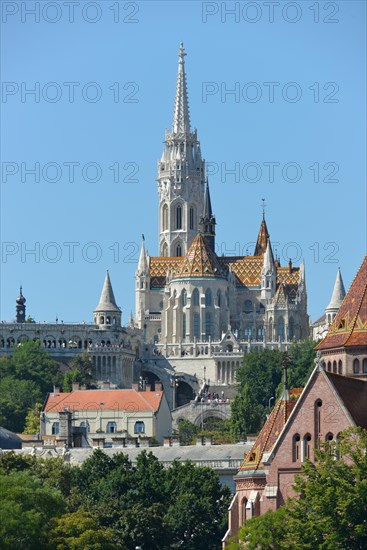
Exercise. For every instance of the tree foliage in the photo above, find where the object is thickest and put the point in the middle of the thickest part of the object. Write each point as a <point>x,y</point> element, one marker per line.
<point>260,378</point>
<point>125,505</point>
<point>80,371</point>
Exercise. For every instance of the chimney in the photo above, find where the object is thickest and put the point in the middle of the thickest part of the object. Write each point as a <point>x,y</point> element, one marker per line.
<point>166,441</point>
<point>56,390</point>
<point>208,440</point>
<point>175,441</point>
<point>199,440</point>
<point>105,385</point>
<point>75,386</point>
<point>135,387</point>
<point>158,386</point>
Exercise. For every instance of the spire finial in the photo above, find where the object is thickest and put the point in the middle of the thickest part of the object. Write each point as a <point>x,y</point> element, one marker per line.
<point>263,207</point>
<point>181,116</point>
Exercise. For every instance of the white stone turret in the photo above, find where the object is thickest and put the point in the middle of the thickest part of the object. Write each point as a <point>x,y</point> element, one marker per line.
<point>336,298</point>
<point>180,177</point>
<point>268,274</point>
<point>142,278</point>
<point>107,312</point>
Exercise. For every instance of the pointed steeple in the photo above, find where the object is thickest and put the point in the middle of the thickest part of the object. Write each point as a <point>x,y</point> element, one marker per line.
<point>143,259</point>
<point>268,264</point>
<point>338,293</point>
<point>262,238</point>
<point>107,300</point>
<point>181,115</point>
<point>207,221</point>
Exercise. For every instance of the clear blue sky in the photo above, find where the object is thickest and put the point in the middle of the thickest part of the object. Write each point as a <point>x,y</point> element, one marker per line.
<point>326,219</point>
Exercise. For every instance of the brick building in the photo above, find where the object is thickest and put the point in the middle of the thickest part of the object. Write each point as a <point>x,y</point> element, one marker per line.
<point>333,399</point>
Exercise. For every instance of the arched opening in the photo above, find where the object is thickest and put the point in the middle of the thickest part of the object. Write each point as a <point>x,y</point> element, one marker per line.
<point>111,427</point>
<point>139,427</point>
<point>340,367</point>
<point>329,366</point>
<point>208,324</point>
<point>296,447</point>
<point>184,393</point>
<point>356,366</point>
<point>365,365</point>
<point>165,217</point>
<point>179,250</point>
<point>184,298</point>
<point>306,447</point>
<point>184,326</point>
<point>192,218</point>
<point>165,250</point>
<point>247,306</point>
<point>179,217</point>
<point>334,367</point>
<point>219,298</point>
<point>281,332</point>
<point>208,297</point>
<point>195,297</point>
<point>196,325</point>
<point>150,379</point>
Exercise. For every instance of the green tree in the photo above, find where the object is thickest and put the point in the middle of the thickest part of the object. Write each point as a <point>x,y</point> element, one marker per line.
<point>143,526</point>
<point>187,432</point>
<point>31,362</point>
<point>81,531</point>
<point>26,510</point>
<point>32,421</point>
<point>16,398</point>
<point>246,414</point>
<point>81,371</point>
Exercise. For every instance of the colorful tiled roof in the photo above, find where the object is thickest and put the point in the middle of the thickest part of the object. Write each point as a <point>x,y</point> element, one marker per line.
<point>269,434</point>
<point>159,266</point>
<point>122,400</point>
<point>349,327</point>
<point>200,261</point>
<point>247,269</point>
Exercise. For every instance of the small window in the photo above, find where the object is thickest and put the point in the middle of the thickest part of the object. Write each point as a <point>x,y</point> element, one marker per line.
<point>179,217</point>
<point>111,427</point>
<point>195,297</point>
<point>139,427</point>
<point>334,367</point>
<point>365,365</point>
<point>184,297</point>
<point>296,447</point>
<point>191,218</point>
<point>55,428</point>
<point>184,325</point>
<point>306,446</point>
<point>340,367</point>
<point>179,251</point>
<point>208,297</point>
<point>356,366</point>
<point>247,306</point>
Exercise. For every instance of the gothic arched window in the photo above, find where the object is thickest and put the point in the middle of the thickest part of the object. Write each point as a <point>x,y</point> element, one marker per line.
<point>191,218</point>
<point>184,297</point>
<point>139,427</point>
<point>219,298</point>
<point>179,217</point>
<point>195,297</point>
<point>247,306</point>
<point>165,249</point>
<point>356,366</point>
<point>296,447</point>
<point>281,333</point>
<point>340,367</point>
<point>179,250</point>
<point>208,297</point>
<point>208,324</point>
<point>184,325</point>
<point>307,446</point>
<point>165,217</point>
<point>196,325</point>
<point>111,427</point>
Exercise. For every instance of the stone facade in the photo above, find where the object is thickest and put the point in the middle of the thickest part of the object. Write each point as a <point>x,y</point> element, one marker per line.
<point>188,298</point>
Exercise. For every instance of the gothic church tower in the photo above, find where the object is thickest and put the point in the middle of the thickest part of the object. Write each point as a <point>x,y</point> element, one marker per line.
<point>180,177</point>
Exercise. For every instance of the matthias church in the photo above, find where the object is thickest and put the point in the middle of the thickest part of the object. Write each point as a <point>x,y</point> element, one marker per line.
<point>196,312</point>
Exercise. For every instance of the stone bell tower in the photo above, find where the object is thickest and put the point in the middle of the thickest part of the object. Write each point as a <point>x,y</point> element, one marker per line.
<point>180,176</point>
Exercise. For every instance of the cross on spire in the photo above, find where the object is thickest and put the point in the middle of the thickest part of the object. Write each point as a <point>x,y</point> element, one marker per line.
<point>263,205</point>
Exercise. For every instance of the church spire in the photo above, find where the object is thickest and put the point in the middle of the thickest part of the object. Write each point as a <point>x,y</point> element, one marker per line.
<point>181,115</point>
<point>207,222</point>
<point>263,236</point>
<point>143,260</point>
<point>336,298</point>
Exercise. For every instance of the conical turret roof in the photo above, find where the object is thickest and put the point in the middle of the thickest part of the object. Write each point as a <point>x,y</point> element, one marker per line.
<point>338,293</point>
<point>200,261</point>
<point>107,300</point>
<point>262,239</point>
